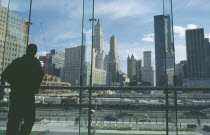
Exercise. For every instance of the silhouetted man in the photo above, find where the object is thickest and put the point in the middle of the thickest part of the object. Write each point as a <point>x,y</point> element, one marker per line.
<point>24,75</point>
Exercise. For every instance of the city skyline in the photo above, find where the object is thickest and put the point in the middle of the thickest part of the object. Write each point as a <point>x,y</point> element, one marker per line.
<point>61,28</point>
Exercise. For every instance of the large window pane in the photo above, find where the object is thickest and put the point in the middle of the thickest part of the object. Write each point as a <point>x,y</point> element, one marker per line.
<point>57,30</point>
<point>191,28</point>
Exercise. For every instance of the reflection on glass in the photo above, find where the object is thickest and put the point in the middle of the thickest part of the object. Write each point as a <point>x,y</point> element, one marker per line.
<point>14,16</point>
<point>170,68</point>
<point>86,70</point>
<point>14,31</point>
<point>3,27</point>
<point>17,31</point>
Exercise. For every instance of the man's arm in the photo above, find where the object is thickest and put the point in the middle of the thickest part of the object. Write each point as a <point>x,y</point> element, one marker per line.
<point>40,76</point>
<point>8,74</point>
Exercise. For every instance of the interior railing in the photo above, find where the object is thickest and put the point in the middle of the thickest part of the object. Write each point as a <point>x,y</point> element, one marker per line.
<point>112,110</point>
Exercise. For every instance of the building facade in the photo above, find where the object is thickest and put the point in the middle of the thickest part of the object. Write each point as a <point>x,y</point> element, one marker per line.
<point>196,54</point>
<point>53,62</point>
<point>198,65</point>
<point>13,37</point>
<point>72,68</point>
<point>114,61</point>
<point>98,46</point>
<point>208,56</point>
<point>181,72</point>
<point>134,71</point>
<point>147,70</point>
<point>164,54</point>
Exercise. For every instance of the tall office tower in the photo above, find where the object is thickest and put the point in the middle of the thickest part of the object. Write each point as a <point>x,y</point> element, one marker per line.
<point>196,54</point>
<point>72,66</point>
<point>197,59</point>
<point>3,22</point>
<point>164,54</point>
<point>15,44</point>
<point>98,37</point>
<point>147,59</point>
<point>98,45</point>
<point>134,70</point>
<point>114,61</point>
<point>53,62</point>
<point>208,56</point>
<point>71,70</point>
<point>147,70</point>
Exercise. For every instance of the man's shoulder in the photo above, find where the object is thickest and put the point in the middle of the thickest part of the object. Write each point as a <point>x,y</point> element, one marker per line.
<point>36,60</point>
<point>17,60</point>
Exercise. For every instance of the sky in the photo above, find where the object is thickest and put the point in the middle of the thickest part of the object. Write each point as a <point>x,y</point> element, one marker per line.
<point>57,24</point>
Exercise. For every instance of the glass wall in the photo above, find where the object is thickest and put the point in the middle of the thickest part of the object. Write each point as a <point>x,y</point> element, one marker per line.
<point>191,35</point>
<point>86,68</point>
<point>14,28</point>
<point>57,30</point>
<point>114,43</point>
<point>171,103</point>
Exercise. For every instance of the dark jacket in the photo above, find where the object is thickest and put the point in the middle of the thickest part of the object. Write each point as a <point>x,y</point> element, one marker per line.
<point>24,75</point>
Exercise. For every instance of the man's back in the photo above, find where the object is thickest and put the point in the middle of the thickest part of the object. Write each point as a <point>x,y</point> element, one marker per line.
<point>24,75</point>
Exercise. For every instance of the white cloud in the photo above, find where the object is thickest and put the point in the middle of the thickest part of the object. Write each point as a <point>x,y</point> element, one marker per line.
<point>118,9</point>
<point>180,31</point>
<point>207,35</point>
<point>192,26</point>
<point>180,52</point>
<point>148,37</point>
<point>42,53</point>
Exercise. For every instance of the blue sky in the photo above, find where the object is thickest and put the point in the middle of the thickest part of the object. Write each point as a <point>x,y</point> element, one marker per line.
<point>57,23</point>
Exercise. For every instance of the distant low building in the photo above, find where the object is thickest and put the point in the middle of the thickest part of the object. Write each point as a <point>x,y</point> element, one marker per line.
<point>124,79</point>
<point>134,71</point>
<point>196,83</point>
<point>53,62</point>
<point>181,72</point>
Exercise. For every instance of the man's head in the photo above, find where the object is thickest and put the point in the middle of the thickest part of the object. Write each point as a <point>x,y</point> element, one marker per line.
<point>31,49</point>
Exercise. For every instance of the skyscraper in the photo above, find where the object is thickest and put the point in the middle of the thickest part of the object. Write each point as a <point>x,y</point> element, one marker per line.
<point>98,45</point>
<point>72,65</point>
<point>208,56</point>
<point>15,44</point>
<point>147,70</point>
<point>164,54</point>
<point>147,59</point>
<point>114,61</point>
<point>196,54</point>
<point>197,48</point>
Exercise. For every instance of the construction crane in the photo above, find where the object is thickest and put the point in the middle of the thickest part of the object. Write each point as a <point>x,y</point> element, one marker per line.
<point>45,42</point>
